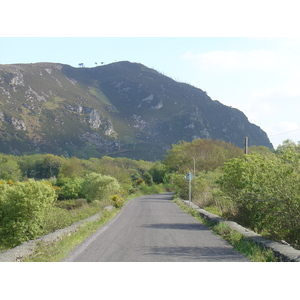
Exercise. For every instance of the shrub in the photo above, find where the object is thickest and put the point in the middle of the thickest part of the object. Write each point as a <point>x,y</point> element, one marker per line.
<point>70,188</point>
<point>96,203</point>
<point>152,189</point>
<point>265,191</point>
<point>148,178</point>
<point>55,218</point>
<point>116,201</point>
<point>22,211</point>
<point>179,184</point>
<point>10,170</point>
<point>139,181</point>
<point>96,186</point>
<point>158,172</point>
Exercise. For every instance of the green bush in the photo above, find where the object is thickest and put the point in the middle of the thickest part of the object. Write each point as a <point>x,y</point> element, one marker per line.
<point>96,203</point>
<point>178,184</point>
<point>23,206</point>
<point>96,186</point>
<point>152,189</point>
<point>158,172</point>
<point>56,218</point>
<point>266,193</point>
<point>70,188</point>
<point>10,170</point>
<point>201,191</point>
<point>148,178</point>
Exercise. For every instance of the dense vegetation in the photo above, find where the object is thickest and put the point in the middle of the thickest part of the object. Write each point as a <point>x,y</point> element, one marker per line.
<point>260,191</point>
<point>40,193</point>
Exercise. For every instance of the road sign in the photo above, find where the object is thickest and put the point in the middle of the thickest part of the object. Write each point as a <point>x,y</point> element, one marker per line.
<point>189,176</point>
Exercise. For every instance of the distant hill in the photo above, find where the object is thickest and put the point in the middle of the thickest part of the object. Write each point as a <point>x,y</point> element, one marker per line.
<point>119,109</point>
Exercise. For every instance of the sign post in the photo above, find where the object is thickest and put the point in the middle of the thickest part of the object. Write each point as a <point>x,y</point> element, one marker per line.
<point>189,177</point>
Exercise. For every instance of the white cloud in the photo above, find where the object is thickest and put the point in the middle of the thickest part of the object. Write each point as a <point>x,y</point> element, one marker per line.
<point>282,57</point>
<point>262,81</point>
<point>235,60</point>
<point>276,111</point>
<point>279,93</point>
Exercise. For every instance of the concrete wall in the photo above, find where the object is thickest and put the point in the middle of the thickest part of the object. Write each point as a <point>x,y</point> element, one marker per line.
<point>18,253</point>
<point>286,252</point>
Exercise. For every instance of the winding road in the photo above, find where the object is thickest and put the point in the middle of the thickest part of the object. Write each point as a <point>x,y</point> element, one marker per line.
<point>154,229</point>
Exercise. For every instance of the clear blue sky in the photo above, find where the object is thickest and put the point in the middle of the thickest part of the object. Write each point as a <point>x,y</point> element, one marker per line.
<point>258,75</point>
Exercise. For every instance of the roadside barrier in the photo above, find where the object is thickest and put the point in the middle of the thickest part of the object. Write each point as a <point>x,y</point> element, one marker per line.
<point>17,254</point>
<point>286,252</point>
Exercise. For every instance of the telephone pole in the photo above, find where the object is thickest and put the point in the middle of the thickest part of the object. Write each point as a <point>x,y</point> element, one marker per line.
<point>246,145</point>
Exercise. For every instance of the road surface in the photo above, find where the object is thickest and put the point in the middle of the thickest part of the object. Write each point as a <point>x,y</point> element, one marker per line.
<point>154,229</point>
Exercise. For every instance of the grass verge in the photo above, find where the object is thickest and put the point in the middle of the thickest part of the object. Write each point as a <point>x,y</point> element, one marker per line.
<point>252,250</point>
<point>57,250</point>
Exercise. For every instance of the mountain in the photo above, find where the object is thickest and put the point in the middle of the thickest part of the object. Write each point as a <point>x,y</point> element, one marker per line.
<point>119,109</point>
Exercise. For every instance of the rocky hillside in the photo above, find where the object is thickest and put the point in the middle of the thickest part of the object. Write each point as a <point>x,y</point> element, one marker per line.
<point>119,109</point>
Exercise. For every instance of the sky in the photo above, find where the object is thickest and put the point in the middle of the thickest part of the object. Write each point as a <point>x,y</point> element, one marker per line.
<point>257,73</point>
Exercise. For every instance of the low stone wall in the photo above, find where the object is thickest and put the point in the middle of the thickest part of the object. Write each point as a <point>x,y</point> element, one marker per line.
<point>286,252</point>
<point>18,253</point>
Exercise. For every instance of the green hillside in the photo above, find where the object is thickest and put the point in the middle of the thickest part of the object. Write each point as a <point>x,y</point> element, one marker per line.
<point>119,109</point>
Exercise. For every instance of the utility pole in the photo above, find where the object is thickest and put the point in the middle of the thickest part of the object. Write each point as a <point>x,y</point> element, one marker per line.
<point>246,145</point>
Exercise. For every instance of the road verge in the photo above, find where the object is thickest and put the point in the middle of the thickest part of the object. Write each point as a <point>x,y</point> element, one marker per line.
<point>285,252</point>
<point>18,253</point>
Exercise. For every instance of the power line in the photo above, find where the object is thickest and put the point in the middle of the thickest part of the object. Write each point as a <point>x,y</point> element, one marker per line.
<point>284,132</point>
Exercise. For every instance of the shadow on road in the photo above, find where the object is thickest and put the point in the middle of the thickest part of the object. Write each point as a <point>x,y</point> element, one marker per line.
<point>197,253</point>
<point>188,226</point>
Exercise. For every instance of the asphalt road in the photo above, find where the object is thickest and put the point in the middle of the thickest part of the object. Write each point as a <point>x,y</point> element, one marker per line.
<point>154,229</point>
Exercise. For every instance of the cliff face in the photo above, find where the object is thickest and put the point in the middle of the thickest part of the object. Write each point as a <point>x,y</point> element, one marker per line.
<point>120,109</point>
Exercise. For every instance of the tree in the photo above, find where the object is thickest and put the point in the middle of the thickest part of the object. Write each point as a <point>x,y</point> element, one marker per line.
<point>41,166</point>
<point>259,149</point>
<point>287,144</point>
<point>72,167</point>
<point>49,166</point>
<point>10,170</point>
<point>158,172</point>
<point>208,155</point>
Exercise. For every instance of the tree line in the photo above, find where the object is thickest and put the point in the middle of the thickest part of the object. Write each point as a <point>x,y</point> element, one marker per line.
<point>259,190</point>
<point>36,190</point>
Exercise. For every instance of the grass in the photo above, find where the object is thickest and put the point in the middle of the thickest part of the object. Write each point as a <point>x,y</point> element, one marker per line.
<point>55,251</point>
<point>252,250</point>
